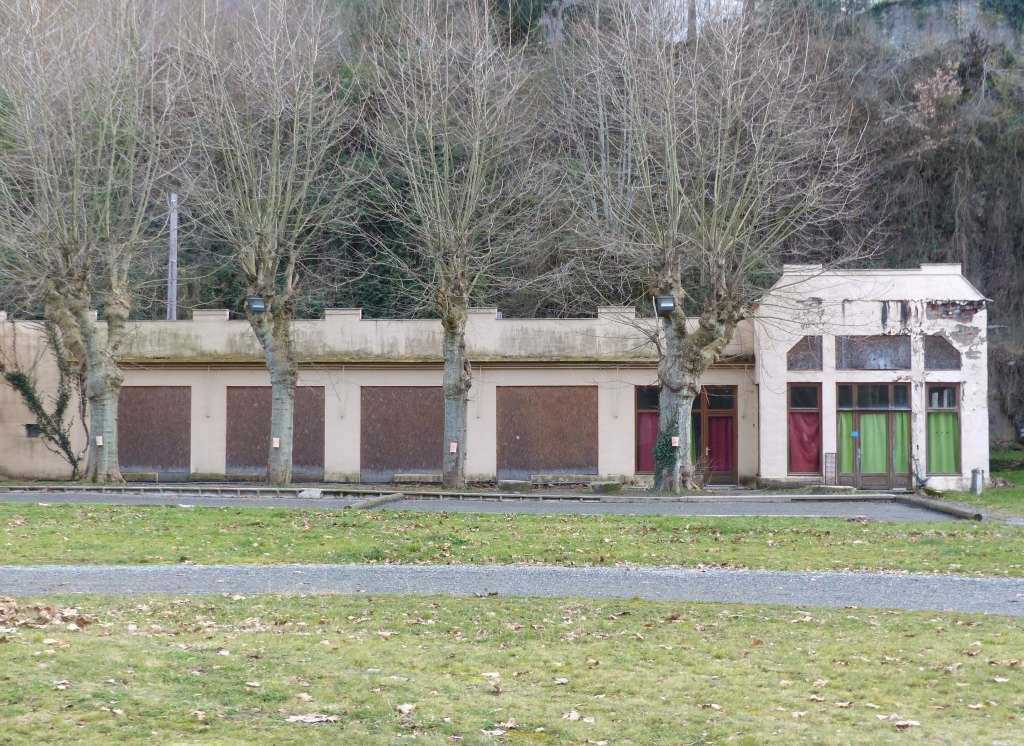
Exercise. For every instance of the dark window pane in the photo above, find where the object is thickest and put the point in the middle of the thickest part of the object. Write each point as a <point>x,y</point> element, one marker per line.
<point>803,397</point>
<point>901,396</point>
<point>647,397</point>
<point>721,398</point>
<point>846,397</point>
<point>873,353</point>
<point>942,397</point>
<point>939,354</point>
<point>872,396</point>
<point>696,404</point>
<point>805,354</point>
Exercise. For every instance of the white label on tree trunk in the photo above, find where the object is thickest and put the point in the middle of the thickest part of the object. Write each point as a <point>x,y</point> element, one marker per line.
<point>675,441</point>
<point>99,440</point>
<point>275,442</point>
<point>453,447</point>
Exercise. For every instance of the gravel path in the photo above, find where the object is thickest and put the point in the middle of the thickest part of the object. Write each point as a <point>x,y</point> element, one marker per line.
<point>872,590</point>
<point>716,506</point>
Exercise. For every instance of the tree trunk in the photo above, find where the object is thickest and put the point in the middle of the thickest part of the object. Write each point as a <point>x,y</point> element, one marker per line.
<point>458,377</point>
<point>273,329</point>
<point>691,20</point>
<point>103,381</point>
<point>673,466</point>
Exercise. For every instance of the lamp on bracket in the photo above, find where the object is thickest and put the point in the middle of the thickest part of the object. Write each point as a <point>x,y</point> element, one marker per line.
<point>664,304</point>
<point>255,304</point>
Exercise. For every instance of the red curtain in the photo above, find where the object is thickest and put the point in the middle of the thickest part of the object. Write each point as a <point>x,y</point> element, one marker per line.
<point>805,442</point>
<point>646,435</point>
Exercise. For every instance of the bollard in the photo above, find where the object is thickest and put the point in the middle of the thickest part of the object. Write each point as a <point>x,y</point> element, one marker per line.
<point>977,481</point>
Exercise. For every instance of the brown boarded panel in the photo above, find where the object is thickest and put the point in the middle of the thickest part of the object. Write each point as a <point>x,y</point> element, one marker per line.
<point>154,430</point>
<point>248,432</point>
<point>402,431</point>
<point>546,430</point>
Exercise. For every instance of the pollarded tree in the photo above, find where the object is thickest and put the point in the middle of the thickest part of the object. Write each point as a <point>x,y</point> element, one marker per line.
<point>705,164</point>
<point>79,164</point>
<point>451,122</point>
<point>267,118</point>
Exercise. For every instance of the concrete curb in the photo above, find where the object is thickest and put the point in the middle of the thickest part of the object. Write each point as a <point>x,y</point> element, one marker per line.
<point>376,502</point>
<point>219,490</point>
<point>940,507</point>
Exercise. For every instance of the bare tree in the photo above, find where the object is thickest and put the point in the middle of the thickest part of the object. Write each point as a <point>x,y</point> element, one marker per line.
<point>78,166</point>
<point>450,121</point>
<point>705,165</point>
<point>269,119</point>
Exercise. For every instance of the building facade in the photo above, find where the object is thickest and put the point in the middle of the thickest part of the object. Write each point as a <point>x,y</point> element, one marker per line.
<point>876,378</point>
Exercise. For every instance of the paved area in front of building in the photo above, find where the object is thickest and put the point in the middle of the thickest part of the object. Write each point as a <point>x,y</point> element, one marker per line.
<point>880,510</point>
<point>839,590</point>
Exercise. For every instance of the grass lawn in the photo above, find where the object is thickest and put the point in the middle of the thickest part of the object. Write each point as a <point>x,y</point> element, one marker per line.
<point>68,534</point>
<point>999,500</point>
<point>220,670</point>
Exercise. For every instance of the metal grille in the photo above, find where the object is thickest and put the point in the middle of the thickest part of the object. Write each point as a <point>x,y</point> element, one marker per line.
<point>830,468</point>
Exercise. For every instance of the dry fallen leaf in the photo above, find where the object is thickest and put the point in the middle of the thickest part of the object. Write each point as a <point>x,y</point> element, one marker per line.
<point>509,724</point>
<point>1000,679</point>
<point>844,704</point>
<point>571,715</point>
<point>798,713</point>
<point>872,705</point>
<point>314,717</point>
<point>588,720</point>
<point>561,681</point>
<point>407,708</point>
<point>907,724</point>
<point>60,686</point>
<point>816,698</point>
<point>253,684</point>
<point>711,706</point>
<point>198,714</point>
<point>305,696</point>
<point>495,732</point>
<point>975,706</point>
<point>820,682</point>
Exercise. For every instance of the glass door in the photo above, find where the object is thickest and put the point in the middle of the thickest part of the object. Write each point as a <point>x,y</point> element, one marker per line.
<point>874,435</point>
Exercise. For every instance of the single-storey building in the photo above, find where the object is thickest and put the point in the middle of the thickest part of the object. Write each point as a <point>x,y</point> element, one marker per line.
<point>870,378</point>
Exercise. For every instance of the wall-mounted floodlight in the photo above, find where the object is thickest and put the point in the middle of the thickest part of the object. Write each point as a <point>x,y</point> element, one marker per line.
<point>664,304</point>
<point>255,304</point>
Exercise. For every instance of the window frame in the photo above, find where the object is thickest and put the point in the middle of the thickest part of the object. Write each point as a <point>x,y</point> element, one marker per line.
<point>929,410</point>
<point>790,409</point>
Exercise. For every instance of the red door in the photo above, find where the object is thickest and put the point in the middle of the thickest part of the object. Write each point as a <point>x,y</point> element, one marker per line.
<point>646,435</point>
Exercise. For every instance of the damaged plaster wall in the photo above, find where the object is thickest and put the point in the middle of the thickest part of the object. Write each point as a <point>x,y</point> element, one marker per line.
<point>935,300</point>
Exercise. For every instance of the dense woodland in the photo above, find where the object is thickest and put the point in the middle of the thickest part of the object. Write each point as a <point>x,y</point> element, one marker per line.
<point>418,157</point>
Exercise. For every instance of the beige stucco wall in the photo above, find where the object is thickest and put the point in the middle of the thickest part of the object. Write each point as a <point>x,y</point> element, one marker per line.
<point>23,345</point>
<point>344,352</point>
<point>616,409</point>
<point>808,301</point>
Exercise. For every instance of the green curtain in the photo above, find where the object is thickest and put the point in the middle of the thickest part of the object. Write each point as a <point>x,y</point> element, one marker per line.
<point>901,442</point>
<point>846,443</point>
<point>873,444</point>
<point>695,438</point>
<point>943,443</point>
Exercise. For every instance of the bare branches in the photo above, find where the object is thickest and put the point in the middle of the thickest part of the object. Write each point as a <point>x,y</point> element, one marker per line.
<point>82,158</point>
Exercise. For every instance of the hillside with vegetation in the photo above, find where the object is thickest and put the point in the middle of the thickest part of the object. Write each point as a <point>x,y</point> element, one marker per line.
<point>418,157</point>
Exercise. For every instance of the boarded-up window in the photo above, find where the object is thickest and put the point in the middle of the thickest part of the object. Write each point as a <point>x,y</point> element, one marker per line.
<point>880,352</point>
<point>546,430</point>
<point>402,431</point>
<point>805,354</point>
<point>939,354</point>
<point>248,432</point>
<point>154,430</point>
